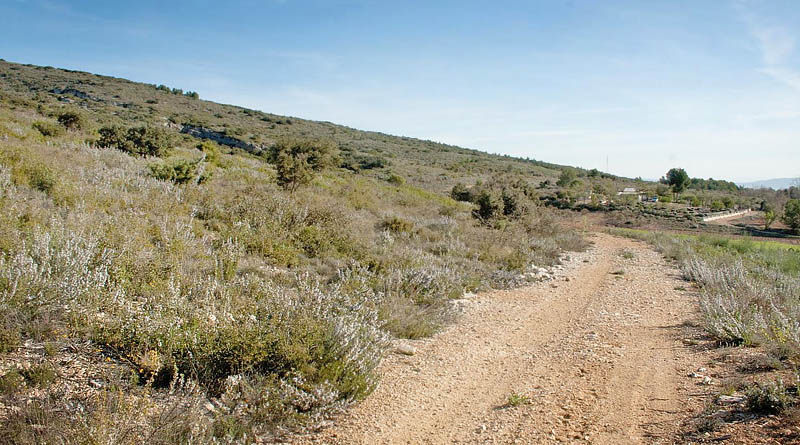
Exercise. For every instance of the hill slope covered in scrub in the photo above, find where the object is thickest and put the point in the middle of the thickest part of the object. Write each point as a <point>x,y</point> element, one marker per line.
<point>187,296</point>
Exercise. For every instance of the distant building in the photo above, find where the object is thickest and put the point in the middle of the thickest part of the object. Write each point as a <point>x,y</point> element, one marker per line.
<point>630,191</point>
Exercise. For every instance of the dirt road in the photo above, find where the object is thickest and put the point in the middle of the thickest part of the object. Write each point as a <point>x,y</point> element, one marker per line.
<point>594,356</point>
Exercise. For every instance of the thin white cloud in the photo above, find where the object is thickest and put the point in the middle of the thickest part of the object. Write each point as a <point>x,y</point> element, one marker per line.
<point>307,59</point>
<point>776,44</point>
<point>786,76</point>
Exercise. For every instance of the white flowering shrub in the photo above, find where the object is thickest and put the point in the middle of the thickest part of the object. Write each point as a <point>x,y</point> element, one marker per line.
<point>749,294</point>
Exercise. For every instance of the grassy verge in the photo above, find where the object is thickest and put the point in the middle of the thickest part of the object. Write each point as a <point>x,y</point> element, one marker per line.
<point>750,290</point>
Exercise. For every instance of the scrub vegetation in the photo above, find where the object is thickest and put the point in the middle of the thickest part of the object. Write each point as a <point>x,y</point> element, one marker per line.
<point>184,271</point>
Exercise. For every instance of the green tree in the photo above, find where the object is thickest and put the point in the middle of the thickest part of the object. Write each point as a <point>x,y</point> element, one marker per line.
<point>678,179</point>
<point>567,178</point>
<point>297,161</point>
<point>488,206</point>
<point>728,202</point>
<point>769,218</point>
<point>791,214</point>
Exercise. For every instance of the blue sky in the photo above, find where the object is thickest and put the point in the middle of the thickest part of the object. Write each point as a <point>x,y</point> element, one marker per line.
<point>712,86</point>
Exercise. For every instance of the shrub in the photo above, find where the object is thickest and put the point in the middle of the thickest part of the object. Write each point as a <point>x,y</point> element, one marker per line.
<point>396,180</point>
<point>179,171</point>
<point>11,382</point>
<point>397,225</point>
<point>313,241</point>
<point>516,399</point>
<point>512,205</point>
<point>296,161</point>
<point>567,178</point>
<point>488,206</point>
<point>414,299</point>
<point>9,340</point>
<point>460,192</point>
<point>360,162</point>
<point>142,141</point>
<point>791,214</point>
<point>40,177</point>
<point>48,128</point>
<point>211,150</point>
<point>769,397</point>
<point>72,120</point>
<point>39,375</point>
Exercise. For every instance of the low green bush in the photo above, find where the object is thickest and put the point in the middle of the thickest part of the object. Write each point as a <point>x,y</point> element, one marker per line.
<point>11,382</point>
<point>142,141</point>
<point>40,375</point>
<point>460,192</point>
<point>40,177</point>
<point>770,397</point>
<point>396,180</point>
<point>9,339</point>
<point>179,171</point>
<point>395,224</point>
<point>48,128</point>
<point>72,120</point>
<point>298,160</point>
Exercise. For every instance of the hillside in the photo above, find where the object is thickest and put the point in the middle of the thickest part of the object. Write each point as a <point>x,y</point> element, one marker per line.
<point>775,183</point>
<point>182,270</point>
<point>110,100</point>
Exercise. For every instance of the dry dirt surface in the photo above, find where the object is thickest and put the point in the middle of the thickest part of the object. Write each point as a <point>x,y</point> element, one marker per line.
<point>593,356</point>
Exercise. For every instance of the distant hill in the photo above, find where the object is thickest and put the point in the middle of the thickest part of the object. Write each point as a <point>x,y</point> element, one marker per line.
<point>776,183</point>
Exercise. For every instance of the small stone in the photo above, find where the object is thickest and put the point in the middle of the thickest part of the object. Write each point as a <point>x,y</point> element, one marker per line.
<point>406,349</point>
<point>706,380</point>
<point>726,400</point>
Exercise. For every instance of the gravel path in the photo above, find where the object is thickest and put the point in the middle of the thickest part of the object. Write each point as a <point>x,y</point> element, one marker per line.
<point>595,356</point>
